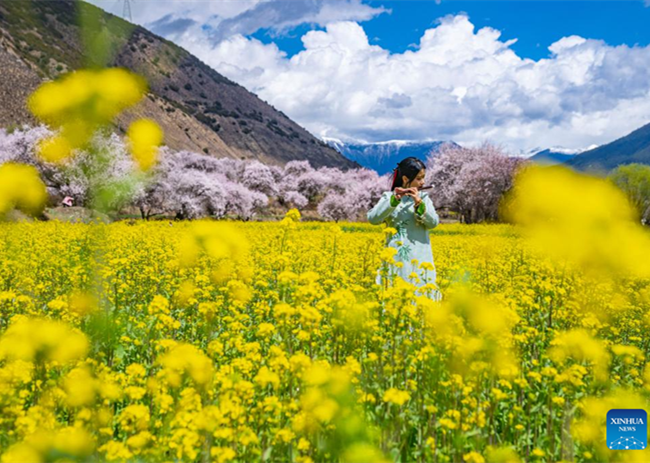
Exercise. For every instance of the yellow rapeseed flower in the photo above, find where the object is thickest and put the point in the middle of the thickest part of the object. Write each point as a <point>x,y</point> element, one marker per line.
<point>293,214</point>
<point>34,339</point>
<point>395,396</point>
<point>21,188</point>
<point>55,149</point>
<point>145,136</point>
<point>186,359</point>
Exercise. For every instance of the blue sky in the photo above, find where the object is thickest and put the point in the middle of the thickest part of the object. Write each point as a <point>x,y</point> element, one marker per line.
<point>524,74</point>
<point>535,24</point>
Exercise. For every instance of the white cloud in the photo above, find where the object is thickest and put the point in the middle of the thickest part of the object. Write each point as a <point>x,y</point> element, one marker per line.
<point>458,84</point>
<point>217,20</point>
<point>283,15</point>
<point>146,12</point>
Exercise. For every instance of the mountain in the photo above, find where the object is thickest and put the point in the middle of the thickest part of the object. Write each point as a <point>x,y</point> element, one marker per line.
<point>199,109</point>
<point>384,156</point>
<point>632,148</point>
<point>549,157</point>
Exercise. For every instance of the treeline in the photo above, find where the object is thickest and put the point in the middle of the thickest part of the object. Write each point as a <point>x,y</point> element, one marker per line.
<point>469,182</point>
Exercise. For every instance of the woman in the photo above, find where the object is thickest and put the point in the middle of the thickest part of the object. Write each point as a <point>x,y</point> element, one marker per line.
<point>412,214</point>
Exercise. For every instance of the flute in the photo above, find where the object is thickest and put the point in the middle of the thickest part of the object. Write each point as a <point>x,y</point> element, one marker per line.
<point>428,187</point>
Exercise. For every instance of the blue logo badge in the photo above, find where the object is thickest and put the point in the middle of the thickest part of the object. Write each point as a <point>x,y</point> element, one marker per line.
<point>627,429</point>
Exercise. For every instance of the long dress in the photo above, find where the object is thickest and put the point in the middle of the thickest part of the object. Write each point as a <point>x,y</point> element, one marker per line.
<point>413,234</point>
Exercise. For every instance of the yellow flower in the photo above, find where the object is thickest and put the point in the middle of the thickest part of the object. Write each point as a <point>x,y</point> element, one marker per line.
<point>473,457</point>
<point>186,359</point>
<point>239,291</point>
<point>218,240</point>
<point>21,188</point>
<point>426,266</point>
<point>114,451</point>
<point>145,136</point>
<point>55,149</point>
<point>22,452</point>
<point>80,102</point>
<point>265,329</point>
<point>537,452</point>
<point>266,376</point>
<point>285,435</point>
<point>498,394</point>
<point>395,396</point>
<point>222,454</point>
<point>293,214</point>
<point>39,338</point>
<point>362,452</point>
<point>81,304</point>
<point>584,219</point>
<point>579,345</point>
<point>119,88</point>
<point>387,254</point>
<point>134,418</point>
<point>557,400</point>
<point>159,305</point>
<point>502,455</point>
<point>80,387</point>
<point>142,439</point>
<point>73,442</point>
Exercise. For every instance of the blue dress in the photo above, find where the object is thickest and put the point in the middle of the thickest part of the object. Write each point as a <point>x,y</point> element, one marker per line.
<point>412,238</point>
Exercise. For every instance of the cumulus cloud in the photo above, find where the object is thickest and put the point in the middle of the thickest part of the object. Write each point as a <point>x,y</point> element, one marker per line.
<point>458,83</point>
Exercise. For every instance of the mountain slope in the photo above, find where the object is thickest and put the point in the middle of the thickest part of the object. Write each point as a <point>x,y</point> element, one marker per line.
<point>198,108</point>
<point>17,82</point>
<point>634,147</point>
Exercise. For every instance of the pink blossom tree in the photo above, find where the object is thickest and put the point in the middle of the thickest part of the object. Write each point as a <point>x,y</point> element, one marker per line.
<point>471,181</point>
<point>335,207</point>
<point>312,184</point>
<point>295,199</point>
<point>259,177</point>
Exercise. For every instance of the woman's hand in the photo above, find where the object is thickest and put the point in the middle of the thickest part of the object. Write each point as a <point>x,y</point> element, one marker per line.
<point>415,194</point>
<point>400,192</point>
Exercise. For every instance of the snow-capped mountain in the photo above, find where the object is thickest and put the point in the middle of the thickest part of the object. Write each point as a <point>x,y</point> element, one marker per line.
<point>556,154</point>
<point>384,156</point>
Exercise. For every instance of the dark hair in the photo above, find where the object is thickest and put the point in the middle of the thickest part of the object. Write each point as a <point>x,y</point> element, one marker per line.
<point>410,167</point>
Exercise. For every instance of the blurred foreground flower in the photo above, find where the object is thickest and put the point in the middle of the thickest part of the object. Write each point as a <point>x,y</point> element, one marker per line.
<point>186,359</point>
<point>21,188</point>
<point>581,218</point>
<point>218,240</point>
<point>67,444</point>
<point>34,339</point>
<point>82,102</point>
<point>477,329</point>
<point>145,136</point>
<point>329,409</point>
<point>590,430</point>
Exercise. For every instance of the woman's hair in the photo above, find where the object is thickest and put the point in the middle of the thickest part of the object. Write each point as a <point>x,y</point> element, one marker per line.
<point>410,167</point>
